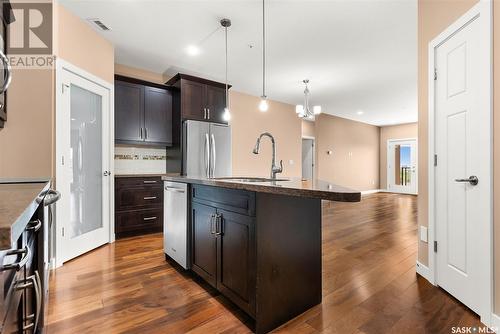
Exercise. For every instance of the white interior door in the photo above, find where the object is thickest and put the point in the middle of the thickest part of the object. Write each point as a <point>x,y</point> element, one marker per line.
<point>83,168</point>
<point>307,158</point>
<point>402,173</point>
<point>463,148</point>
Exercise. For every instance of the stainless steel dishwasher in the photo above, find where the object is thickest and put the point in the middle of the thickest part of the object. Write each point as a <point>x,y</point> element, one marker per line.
<point>175,222</point>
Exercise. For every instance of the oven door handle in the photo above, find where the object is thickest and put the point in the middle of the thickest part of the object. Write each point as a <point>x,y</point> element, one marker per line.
<point>7,72</point>
<point>17,265</point>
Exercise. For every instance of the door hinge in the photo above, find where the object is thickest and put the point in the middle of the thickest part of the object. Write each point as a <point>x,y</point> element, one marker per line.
<point>63,231</point>
<point>435,74</point>
<point>435,246</point>
<point>435,160</point>
<point>62,160</point>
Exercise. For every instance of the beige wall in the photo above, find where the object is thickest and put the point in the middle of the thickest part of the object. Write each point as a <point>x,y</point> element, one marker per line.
<point>82,46</point>
<point>247,123</point>
<point>355,158</point>
<point>26,141</point>
<point>141,74</point>
<point>308,129</point>
<point>402,131</point>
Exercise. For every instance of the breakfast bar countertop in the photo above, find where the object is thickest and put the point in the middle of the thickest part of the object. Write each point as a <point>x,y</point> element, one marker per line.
<point>18,202</point>
<point>291,186</point>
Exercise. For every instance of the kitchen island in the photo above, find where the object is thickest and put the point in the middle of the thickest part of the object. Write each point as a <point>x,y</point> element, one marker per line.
<point>259,243</point>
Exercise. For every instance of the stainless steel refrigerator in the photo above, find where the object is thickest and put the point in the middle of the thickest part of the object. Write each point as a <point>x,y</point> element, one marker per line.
<point>206,149</point>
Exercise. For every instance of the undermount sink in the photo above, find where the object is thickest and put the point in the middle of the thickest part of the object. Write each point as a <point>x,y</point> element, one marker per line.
<point>249,179</point>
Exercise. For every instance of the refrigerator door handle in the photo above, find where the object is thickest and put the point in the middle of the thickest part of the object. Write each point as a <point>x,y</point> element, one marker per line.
<point>207,155</point>
<point>213,155</point>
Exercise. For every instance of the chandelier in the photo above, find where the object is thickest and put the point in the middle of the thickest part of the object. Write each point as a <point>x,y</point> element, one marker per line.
<point>304,111</point>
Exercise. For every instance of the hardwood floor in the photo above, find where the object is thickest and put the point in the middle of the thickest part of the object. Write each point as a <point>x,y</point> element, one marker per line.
<point>369,284</point>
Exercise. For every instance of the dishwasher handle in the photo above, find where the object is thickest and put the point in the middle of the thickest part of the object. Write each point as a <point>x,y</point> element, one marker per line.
<point>174,189</point>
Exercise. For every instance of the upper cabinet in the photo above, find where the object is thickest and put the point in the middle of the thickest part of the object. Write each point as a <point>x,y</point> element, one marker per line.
<point>143,113</point>
<point>200,99</point>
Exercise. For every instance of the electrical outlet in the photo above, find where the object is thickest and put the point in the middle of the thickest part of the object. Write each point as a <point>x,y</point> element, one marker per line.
<point>423,233</point>
<point>291,162</point>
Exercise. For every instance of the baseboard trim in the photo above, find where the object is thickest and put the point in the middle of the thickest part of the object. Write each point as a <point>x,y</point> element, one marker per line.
<point>424,271</point>
<point>368,192</point>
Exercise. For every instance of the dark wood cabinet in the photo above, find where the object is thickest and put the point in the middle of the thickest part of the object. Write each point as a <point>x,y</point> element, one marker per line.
<point>157,115</point>
<point>236,258</point>
<point>138,205</point>
<point>129,99</point>
<point>200,99</point>
<point>193,100</point>
<point>215,98</point>
<point>143,114</point>
<point>204,249</point>
<point>223,242</point>
<point>261,251</point>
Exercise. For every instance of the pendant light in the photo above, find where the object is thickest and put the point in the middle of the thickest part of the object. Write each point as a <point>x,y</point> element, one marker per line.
<point>263,106</point>
<point>226,23</point>
<point>303,110</point>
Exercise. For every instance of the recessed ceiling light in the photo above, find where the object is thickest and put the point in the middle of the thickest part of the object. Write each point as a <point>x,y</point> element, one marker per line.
<point>360,112</point>
<point>193,50</point>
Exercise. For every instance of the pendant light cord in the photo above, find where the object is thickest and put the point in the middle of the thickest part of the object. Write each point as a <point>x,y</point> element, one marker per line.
<point>263,49</point>
<point>227,90</point>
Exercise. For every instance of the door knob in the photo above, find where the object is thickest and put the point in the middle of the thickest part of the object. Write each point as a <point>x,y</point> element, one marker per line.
<point>473,180</point>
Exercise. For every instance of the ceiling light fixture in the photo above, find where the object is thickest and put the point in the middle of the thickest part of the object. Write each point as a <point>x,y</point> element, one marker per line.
<point>226,23</point>
<point>303,110</point>
<point>193,50</point>
<point>360,112</point>
<point>263,105</point>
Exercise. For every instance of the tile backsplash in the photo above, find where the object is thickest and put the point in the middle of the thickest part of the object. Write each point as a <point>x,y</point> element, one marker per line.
<point>140,160</point>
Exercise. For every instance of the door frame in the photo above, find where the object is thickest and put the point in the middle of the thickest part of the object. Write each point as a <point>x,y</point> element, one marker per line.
<point>391,141</point>
<point>62,65</point>
<point>484,10</point>
<point>313,154</point>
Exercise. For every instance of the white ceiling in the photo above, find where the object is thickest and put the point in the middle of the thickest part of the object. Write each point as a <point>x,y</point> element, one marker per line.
<point>360,56</point>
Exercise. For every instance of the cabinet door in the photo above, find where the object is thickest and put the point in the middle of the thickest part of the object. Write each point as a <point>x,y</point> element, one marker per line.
<point>129,112</point>
<point>215,103</point>
<point>204,243</point>
<point>236,259</point>
<point>193,100</point>
<point>158,116</point>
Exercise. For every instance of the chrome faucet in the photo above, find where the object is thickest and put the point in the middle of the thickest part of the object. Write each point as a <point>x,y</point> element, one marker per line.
<point>274,168</point>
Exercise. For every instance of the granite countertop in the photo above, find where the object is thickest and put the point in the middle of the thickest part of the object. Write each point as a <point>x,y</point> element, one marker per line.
<point>18,203</point>
<point>293,187</point>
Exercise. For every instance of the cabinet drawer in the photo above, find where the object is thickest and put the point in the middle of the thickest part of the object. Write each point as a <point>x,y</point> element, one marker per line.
<point>121,182</point>
<point>139,220</point>
<point>134,198</point>
<point>238,201</point>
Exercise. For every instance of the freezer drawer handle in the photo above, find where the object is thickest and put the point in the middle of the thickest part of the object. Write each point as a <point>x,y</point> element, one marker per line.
<point>177,190</point>
<point>147,182</point>
<point>150,198</point>
<point>34,282</point>
<point>150,218</point>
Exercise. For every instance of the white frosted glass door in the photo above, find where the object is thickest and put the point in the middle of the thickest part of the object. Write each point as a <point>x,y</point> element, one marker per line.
<point>83,174</point>
<point>86,161</point>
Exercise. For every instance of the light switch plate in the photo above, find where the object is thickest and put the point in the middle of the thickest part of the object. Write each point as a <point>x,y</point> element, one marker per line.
<point>423,233</point>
